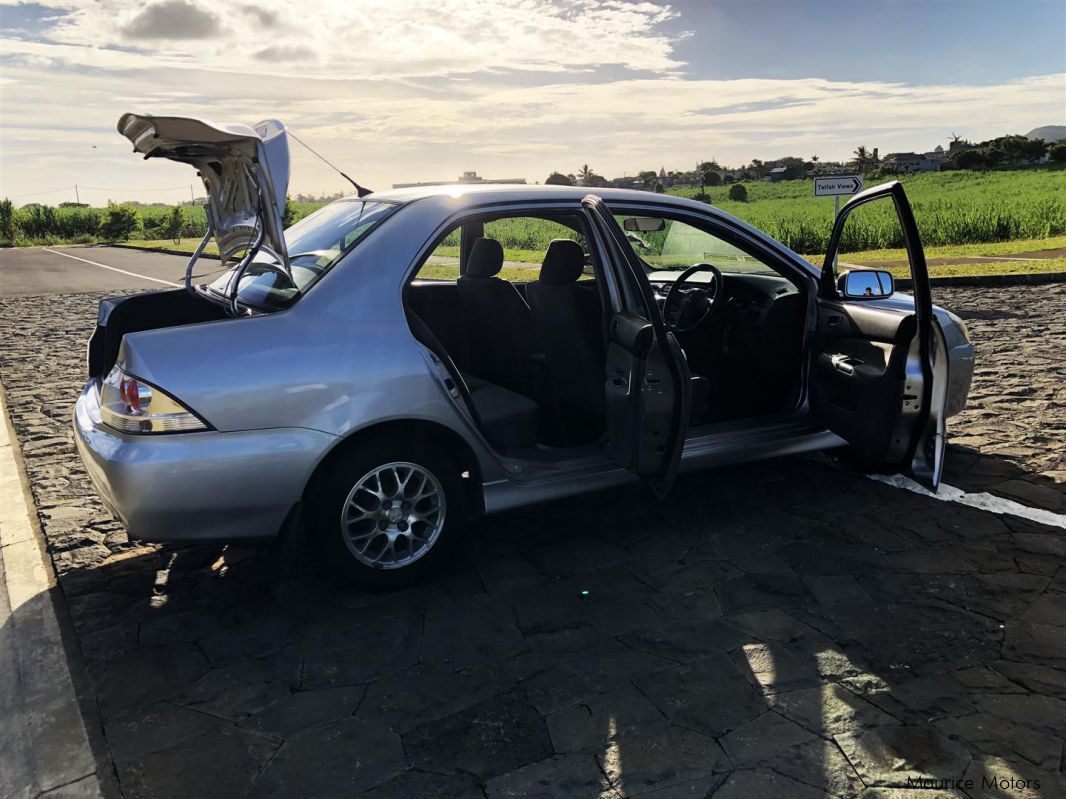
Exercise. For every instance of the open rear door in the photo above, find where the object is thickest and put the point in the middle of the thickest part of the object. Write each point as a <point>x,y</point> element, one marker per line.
<point>648,386</point>
<point>880,368</point>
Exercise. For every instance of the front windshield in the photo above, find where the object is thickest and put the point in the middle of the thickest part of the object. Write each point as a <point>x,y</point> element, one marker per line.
<point>667,245</point>
<point>314,243</point>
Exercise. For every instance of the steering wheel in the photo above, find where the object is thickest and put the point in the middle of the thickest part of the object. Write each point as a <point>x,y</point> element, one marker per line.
<point>686,310</point>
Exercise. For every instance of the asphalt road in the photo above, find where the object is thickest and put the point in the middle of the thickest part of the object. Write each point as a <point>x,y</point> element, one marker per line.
<point>70,270</point>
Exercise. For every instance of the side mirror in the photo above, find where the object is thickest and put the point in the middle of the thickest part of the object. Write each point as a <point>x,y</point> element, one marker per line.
<point>868,284</point>
<point>643,224</point>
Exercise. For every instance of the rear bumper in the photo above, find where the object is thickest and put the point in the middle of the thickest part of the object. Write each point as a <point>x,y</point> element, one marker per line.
<point>196,486</point>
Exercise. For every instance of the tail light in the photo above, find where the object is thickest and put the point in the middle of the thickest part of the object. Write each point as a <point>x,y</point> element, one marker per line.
<point>132,406</point>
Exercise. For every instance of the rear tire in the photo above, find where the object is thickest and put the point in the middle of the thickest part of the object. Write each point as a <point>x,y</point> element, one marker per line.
<point>386,513</point>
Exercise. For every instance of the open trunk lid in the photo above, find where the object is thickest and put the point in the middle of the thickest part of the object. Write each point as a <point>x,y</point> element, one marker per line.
<point>245,171</point>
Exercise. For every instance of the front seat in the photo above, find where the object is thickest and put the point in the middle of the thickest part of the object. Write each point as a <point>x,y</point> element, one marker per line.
<point>504,346</point>
<point>569,318</point>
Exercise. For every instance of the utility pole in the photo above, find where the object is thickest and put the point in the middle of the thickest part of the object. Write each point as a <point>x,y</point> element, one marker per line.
<point>77,197</point>
<point>191,198</point>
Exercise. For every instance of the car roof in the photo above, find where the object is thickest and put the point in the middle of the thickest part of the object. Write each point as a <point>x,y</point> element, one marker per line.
<point>508,192</point>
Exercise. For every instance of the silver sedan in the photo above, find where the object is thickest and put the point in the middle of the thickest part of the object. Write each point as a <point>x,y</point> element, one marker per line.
<point>387,368</point>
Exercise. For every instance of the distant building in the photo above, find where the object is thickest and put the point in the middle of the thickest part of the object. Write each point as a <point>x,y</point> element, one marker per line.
<point>777,173</point>
<point>466,177</point>
<point>910,162</point>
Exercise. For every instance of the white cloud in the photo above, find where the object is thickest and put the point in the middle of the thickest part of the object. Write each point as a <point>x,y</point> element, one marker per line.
<point>395,93</point>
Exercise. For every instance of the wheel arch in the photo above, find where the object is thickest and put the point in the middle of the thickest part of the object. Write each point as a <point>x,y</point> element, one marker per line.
<point>417,432</point>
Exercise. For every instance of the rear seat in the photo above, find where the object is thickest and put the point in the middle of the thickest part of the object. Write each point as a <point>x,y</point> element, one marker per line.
<point>508,419</point>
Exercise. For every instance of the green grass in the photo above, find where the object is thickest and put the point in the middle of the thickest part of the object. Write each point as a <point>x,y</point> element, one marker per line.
<point>950,208</point>
<point>1007,248</point>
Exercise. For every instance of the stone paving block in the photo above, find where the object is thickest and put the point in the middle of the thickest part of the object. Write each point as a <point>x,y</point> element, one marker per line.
<point>614,718</point>
<point>995,736</point>
<point>829,709</point>
<point>697,604</point>
<point>709,695</point>
<point>413,696</point>
<point>666,757</point>
<point>763,739</point>
<point>610,669</point>
<point>1041,643</point>
<point>241,688</point>
<point>891,756</point>
<point>292,713</point>
<point>755,592</point>
<point>484,639</point>
<point>144,731</point>
<point>359,664</point>
<point>146,676</point>
<point>559,777</point>
<point>222,764</point>
<point>999,777</point>
<point>486,740</point>
<point>555,686</point>
<point>686,641</point>
<point>340,759</point>
<point>259,636</point>
<point>834,589</point>
<point>414,784</point>
<point>765,784</point>
<point>1034,677</point>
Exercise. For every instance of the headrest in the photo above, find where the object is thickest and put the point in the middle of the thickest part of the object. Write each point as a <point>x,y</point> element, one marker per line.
<point>564,262</point>
<point>486,258</point>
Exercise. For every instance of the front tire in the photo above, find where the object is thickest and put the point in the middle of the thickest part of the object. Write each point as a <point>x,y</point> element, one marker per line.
<point>384,514</point>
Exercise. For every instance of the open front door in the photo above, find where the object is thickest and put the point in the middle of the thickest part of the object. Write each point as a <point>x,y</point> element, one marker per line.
<point>880,369</point>
<point>648,386</point>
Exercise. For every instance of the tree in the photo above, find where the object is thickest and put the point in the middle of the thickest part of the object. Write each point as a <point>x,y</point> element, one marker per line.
<point>712,179</point>
<point>121,222</point>
<point>814,159</point>
<point>585,173</point>
<point>967,159</point>
<point>288,216</point>
<point>175,224</point>
<point>862,156</point>
<point>1057,151</point>
<point>728,179</point>
<point>659,188</point>
<point>738,192</point>
<point>7,221</point>
<point>649,177</point>
<point>558,179</point>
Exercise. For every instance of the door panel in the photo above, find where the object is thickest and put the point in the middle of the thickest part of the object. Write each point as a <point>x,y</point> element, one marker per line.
<point>647,387</point>
<point>879,375</point>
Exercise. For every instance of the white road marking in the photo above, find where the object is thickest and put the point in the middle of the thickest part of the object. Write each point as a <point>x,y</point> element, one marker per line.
<point>982,501</point>
<point>113,268</point>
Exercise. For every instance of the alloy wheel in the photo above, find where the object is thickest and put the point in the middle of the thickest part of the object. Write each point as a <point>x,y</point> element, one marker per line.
<point>393,515</point>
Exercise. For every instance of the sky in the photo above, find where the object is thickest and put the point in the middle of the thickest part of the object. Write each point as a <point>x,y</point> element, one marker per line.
<point>411,90</point>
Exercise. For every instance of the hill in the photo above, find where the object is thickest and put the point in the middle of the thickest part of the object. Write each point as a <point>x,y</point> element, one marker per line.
<point>1048,133</point>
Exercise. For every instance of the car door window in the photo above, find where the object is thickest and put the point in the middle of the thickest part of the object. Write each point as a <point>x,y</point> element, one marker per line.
<point>679,245</point>
<point>525,239</point>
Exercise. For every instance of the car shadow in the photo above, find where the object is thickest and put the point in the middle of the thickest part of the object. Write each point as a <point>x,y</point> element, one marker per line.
<point>786,626</point>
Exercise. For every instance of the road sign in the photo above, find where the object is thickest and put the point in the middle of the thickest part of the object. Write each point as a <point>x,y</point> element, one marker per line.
<point>837,185</point>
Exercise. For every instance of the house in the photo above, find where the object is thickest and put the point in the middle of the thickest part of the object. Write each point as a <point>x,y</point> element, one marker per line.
<point>777,173</point>
<point>909,162</point>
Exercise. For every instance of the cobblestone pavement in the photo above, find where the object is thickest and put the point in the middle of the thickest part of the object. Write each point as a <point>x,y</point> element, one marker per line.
<point>783,629</point>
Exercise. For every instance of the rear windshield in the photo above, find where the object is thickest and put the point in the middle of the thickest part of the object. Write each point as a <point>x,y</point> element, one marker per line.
<point>315,244</point>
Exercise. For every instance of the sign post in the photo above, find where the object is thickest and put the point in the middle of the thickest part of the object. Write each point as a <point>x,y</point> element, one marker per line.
<point>837,186</point>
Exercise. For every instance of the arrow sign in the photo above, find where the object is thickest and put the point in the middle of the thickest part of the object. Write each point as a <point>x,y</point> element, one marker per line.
<point>837,185</point>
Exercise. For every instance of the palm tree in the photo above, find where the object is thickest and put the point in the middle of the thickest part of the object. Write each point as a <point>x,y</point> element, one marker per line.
<point>861,157</point>
<point>585,173</point>
<point>814,159</point>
